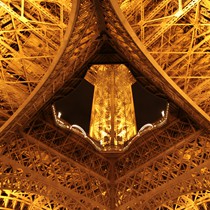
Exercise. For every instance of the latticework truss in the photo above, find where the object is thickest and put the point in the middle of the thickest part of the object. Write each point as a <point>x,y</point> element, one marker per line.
<point>45,49</point>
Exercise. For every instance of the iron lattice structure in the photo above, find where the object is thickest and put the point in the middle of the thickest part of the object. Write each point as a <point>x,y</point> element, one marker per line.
<point>46,48</point>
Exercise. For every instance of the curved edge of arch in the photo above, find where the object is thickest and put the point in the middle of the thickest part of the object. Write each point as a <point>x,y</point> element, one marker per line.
<point>69,30</point>
<point>203,117</point>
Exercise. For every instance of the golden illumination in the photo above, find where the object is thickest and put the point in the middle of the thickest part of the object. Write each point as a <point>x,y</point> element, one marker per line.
<point>112,126</point>
<point>13,199</point>
<point>113,117</point>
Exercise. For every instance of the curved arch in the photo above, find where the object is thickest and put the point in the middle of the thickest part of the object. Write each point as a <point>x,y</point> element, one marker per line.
<point>141,57</point>
<point>29,106</point>
<point>36,37</point>
<point>168,38</point>
<point>31,34</point>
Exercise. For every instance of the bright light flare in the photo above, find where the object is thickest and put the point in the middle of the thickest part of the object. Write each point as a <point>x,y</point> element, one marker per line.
<point>59,114</point>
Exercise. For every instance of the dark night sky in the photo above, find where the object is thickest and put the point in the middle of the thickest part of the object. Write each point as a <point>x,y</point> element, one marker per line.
<point>148,107</point>
<point>76,107</point>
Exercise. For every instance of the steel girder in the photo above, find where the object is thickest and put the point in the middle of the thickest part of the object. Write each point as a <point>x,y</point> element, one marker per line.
<point>45,47</point>
<point>177,36</point>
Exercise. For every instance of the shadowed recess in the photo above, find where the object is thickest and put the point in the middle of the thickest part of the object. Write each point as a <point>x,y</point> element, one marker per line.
<point>148,107</point>
<point>76,106</point>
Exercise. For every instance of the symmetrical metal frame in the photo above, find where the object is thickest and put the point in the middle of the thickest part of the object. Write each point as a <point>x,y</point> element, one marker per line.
<point>46,47</point>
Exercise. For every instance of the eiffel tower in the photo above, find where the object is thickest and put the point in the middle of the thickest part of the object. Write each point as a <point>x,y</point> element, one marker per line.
<point>47,47</point>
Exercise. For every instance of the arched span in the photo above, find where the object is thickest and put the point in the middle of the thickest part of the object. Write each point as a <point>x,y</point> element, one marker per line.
<point>154,72</point>
<point>36,99</point>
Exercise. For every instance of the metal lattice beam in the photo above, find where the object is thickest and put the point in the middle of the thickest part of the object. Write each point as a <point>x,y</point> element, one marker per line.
<point>178,41</point>
<point>46,46</point>
<point>54,169</point>
<point>78,45</point>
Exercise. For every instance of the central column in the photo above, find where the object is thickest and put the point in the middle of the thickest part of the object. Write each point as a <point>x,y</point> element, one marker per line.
<point>113,117</point>
<point>112,87</point>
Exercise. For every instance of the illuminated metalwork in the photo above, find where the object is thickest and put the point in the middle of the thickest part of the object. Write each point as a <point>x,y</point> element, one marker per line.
<point>195,200</point>
<point>176,34</point>
<point>20,200</point>
<point>113,117</point>
<point>113,125</point>
<point>45,48</point>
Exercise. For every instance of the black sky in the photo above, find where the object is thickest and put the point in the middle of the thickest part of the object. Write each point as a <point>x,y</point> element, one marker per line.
<point>76,106</point>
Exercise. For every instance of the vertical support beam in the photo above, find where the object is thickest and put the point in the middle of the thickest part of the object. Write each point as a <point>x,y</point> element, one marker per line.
<point>22,7</point>
<point>113,136</point>
<point>180,5</point>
